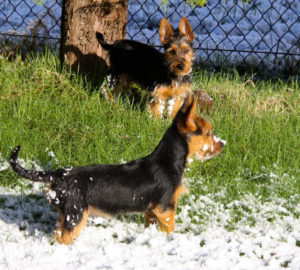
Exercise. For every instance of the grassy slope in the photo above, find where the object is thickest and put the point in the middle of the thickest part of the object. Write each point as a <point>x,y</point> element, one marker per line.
<point>43,108</point>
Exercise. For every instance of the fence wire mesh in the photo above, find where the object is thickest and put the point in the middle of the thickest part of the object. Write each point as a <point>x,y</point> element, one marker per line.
<point>262,33</point>
<point>29,25</point>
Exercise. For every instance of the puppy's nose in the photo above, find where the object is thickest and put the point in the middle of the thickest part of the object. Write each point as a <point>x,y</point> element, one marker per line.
<point>222,142</point>
<point>180,66</point>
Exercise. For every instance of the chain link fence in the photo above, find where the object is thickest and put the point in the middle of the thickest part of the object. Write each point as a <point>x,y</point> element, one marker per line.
<point>29,25</point>
<point>261,34</point>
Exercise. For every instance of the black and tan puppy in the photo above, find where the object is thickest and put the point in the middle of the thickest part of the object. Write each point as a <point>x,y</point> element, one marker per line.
<point>166,75</point>
<point>150,185</point>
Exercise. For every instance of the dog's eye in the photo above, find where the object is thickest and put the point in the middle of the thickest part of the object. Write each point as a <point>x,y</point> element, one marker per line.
<point>185,51</point>
<point>208,134</point>
<point>172,52</point>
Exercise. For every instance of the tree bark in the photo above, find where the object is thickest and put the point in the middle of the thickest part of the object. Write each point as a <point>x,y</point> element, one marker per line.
<point>81,19</point>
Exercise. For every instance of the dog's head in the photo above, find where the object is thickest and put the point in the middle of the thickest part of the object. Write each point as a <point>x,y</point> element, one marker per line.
<point>178,46</point>
<point>202,144</point>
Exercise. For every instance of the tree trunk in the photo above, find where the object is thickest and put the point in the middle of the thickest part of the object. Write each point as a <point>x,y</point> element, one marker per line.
<point>81,19</point>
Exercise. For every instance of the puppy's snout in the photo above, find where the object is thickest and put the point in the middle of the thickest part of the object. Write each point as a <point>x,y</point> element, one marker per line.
<point>180,66</point>
<point>222,143</point>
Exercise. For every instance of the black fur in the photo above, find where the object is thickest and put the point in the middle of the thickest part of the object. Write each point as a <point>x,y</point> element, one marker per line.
<point>134,186</point>
<point>143,63</point>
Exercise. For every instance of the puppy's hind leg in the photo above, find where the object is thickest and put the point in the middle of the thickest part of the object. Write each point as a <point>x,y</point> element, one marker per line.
<point>108,84</point>
<point>67,231</point>
<point>58,232</point>
<point>116,84</point>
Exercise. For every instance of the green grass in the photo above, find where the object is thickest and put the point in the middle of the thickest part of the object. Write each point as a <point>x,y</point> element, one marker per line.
<point>44,109</point>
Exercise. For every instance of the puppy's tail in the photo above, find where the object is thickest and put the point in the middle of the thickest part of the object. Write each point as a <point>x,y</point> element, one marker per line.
<point>100,39</point>
<point>35,176</point>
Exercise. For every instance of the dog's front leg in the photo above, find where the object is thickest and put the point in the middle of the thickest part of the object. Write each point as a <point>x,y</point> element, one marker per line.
<point>150,218</point>
<point>166,219</point>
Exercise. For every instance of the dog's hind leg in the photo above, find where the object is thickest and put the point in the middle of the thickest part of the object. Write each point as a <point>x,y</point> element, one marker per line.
<point>64,235</point>
<point>122,85</point>
<point>116,84</point>
<point>58,232</point>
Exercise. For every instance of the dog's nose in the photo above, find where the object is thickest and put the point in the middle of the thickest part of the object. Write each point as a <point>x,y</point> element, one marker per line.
<point>223,142</point>
<point>180,66</point>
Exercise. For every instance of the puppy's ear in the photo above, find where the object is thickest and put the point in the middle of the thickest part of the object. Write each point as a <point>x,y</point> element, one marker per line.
<point>185,29</point>
<point>187,115</point>
<point>165,31</point>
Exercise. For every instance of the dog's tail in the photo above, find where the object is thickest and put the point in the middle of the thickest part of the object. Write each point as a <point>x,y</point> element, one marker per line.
<point>35,176</point>
<point>100,39</point>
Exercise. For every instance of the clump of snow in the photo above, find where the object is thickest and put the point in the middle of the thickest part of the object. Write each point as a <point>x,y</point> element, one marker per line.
<point>266,237</point>
<point>67,172</point>
<point>4,165</point>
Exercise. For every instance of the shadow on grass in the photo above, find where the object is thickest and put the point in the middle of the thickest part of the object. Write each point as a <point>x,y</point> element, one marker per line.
<point>31,214</point>
<point>90,66</point>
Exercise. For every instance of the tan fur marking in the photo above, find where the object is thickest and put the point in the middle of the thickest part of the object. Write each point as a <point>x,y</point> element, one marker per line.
<point>164,93</point>
<point>187,123</point>
<point>179,55</point>
<point>184,46</point>
<point>121,86</point>
<point>177,104</point>
<point>66,237</point>
<point>165,31</point>
<point>58,232</point>
<point>203,147</point>
<point>165,219</point>
<point>185,29</point>
<point>172,48</point>
<point>178,192</point>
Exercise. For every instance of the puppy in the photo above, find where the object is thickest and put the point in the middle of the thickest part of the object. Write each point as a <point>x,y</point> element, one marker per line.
<point>165,75</point>
<point>151,185</point>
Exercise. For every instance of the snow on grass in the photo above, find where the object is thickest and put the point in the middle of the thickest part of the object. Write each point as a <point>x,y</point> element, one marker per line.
<point>267,236</point>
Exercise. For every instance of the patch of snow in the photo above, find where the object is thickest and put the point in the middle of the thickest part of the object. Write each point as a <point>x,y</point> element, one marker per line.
<point>266,237</point>
<point>121,161</point>
<point>4,165</point>
<point>52,194</point>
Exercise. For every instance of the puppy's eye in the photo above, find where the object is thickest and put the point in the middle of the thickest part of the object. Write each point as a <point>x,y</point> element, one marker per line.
<point>172,52</point>
<point>208,134</point>
<point>185,51</point>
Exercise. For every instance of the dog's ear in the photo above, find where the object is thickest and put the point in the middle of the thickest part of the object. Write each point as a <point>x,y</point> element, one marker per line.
<point>185,29</point>
<point>165,31</point>
<point>187,114</point>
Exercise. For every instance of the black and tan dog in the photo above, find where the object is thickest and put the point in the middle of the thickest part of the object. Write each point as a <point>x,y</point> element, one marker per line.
<point>166,75</point>
<point>150,185</point>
